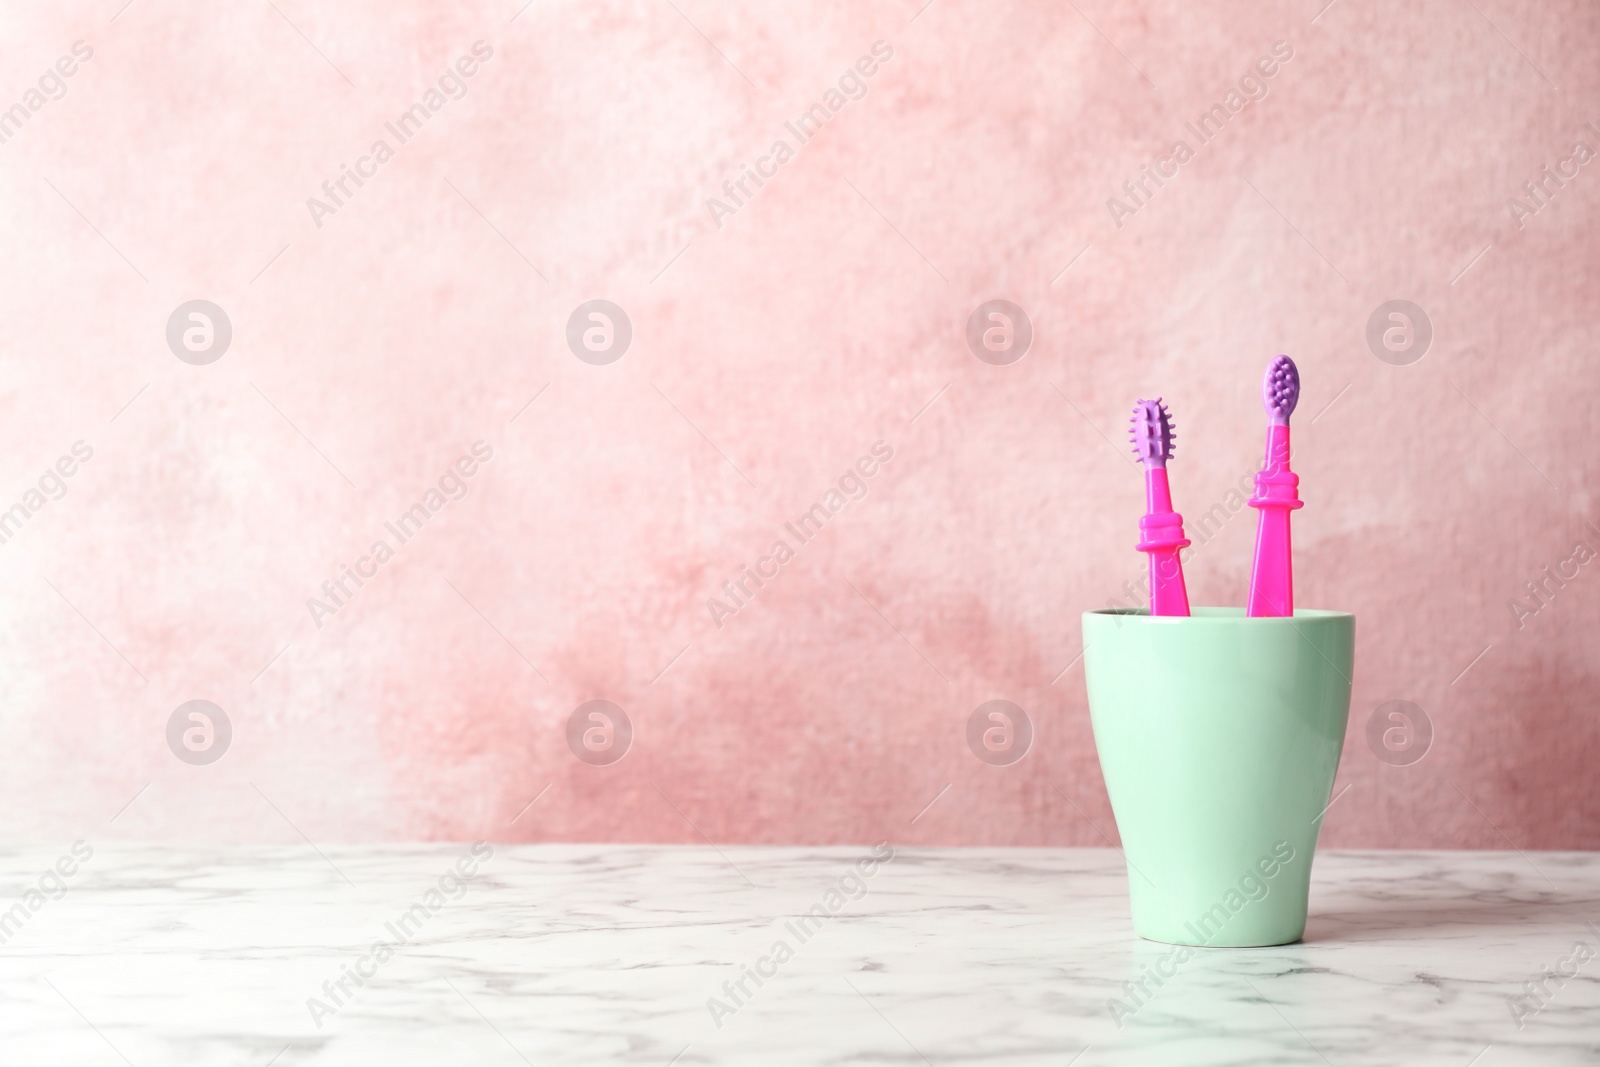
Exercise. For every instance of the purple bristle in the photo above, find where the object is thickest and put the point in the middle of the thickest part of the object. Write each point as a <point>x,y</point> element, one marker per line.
<point>1280,389</point>
<point>1152,433</point>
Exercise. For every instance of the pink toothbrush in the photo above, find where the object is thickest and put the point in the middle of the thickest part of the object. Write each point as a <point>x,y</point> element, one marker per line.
<point>1277,494</point>
<point>1161,527</point>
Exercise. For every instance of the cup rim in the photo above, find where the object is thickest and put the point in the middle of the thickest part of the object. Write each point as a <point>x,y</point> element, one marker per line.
<point>1220,615</point>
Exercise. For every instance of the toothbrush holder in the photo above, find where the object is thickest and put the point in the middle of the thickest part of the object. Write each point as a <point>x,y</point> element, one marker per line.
<point>1219,737</point>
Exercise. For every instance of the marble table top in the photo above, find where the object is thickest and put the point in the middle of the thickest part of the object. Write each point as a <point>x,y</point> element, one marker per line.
<point>280,956</point>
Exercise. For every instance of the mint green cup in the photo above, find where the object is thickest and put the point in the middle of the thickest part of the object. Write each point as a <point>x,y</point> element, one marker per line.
<point>1219,736</point>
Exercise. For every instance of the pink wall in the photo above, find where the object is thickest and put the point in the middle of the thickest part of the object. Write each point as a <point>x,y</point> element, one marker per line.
<point>773,345</point>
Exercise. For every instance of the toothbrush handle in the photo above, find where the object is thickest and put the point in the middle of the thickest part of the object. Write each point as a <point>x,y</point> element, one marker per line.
<point>1277,494</point>
<point>1162,538</point>
<point>1272,577</point>
<point>1168,594</point>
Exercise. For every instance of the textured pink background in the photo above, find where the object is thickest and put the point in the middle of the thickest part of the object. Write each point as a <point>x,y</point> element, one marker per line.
<point>820,318</point>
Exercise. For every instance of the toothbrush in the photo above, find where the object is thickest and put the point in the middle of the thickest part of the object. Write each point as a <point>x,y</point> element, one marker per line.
<point>1277,494</point>
<point>1161,528</point>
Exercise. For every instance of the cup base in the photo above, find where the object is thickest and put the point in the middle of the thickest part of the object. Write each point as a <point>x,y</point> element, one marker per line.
<point>1189,942</point>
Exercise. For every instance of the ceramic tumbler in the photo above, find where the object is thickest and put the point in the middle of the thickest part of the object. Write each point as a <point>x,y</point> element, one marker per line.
<point>1219,736</point>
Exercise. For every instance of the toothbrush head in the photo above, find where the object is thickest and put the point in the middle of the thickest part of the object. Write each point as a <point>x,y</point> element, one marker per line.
<point>1151,433</point>
<point>1280,389</point>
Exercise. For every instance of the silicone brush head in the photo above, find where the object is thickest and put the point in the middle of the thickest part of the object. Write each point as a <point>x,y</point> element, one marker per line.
<point>1280,389</point>
<point>1151,433</point>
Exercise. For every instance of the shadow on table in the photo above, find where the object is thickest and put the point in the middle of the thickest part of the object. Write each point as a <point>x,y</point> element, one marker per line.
<point>1383,920</point>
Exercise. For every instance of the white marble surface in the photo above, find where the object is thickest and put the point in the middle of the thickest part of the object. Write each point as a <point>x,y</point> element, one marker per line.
<point>606,954</point>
